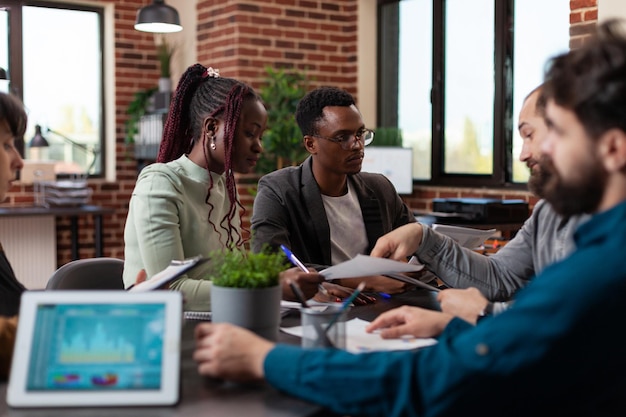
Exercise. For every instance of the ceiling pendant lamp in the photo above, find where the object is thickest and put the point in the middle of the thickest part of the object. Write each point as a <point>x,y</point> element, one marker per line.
<point>158,17</point>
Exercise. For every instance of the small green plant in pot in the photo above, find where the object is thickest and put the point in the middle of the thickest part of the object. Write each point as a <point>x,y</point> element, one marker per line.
<point>164,53</point>
<point>246,290</point>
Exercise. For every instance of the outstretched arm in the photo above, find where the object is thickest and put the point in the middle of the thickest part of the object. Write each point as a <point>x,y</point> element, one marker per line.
<point>399,243</point>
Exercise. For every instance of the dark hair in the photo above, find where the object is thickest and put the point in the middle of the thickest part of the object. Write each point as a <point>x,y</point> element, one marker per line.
<point>310,109</point>
<point>12,112</point>
<point>198,96</point>
<point>591,81</point>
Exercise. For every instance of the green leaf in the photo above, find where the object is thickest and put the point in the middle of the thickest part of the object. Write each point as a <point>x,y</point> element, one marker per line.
<point>137,108</point>
<point>282,141</point>
<point>243,269</point>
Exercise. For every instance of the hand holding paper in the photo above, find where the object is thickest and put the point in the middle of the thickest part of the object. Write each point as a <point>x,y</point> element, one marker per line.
<point>174,270</point>
<point>363,265</point>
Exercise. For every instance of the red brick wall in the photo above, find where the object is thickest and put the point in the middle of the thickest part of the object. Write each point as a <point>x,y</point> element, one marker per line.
<point>318,37</point>
<point>583,18</point>
<point>241,38</point>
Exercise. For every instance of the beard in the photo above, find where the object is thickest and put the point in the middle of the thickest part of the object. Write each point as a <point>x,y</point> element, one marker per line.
<point>575,196</point>
<point>538,179</point>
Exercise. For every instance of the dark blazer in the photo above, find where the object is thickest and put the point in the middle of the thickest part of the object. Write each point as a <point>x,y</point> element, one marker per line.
<point>288,209</point>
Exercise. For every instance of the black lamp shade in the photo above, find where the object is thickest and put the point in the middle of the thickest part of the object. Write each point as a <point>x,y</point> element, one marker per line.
<point>3,74</point>
<point>158,17</point>
<point>38,141</point>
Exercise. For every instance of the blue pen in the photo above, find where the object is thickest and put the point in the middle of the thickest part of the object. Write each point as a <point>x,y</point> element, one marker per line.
<point>292,258</point>
<point>384,295</point>
<point>344,306</point>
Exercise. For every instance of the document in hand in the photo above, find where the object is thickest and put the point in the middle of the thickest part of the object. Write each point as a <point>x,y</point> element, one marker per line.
<point>174,270</point>
<point>465,236</point>
<point>363,265</point>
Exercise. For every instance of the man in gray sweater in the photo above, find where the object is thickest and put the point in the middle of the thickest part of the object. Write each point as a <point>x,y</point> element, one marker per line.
<point>545,238</point>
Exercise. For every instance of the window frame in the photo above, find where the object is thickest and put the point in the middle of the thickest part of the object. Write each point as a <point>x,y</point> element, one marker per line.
<point>502,174</point>
<point>16,63</point>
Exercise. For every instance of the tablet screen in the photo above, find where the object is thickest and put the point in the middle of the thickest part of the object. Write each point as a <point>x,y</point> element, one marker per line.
<point>97,346</point>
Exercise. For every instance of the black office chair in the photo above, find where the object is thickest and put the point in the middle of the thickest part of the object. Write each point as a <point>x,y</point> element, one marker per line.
<point>88,274</point>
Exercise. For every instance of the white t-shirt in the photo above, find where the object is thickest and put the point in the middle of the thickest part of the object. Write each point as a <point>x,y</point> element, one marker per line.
<point>347,230</point>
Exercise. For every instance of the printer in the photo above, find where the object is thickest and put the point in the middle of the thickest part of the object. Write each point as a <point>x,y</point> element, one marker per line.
<point>479,210</point>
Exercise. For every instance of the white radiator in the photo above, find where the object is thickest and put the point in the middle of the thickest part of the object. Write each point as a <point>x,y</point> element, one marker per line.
<point>30,245</point>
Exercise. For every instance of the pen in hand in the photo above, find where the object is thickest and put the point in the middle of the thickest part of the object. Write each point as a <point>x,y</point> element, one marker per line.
<point>292,258</point>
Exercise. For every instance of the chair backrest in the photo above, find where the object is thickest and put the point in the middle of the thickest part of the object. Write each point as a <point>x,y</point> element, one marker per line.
<point>88,274</point>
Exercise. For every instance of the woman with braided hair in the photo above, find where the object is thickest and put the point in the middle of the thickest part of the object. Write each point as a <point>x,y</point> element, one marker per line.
<point>187,203</point>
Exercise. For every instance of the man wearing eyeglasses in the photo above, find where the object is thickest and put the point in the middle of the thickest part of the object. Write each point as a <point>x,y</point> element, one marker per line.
<point>326,210</point>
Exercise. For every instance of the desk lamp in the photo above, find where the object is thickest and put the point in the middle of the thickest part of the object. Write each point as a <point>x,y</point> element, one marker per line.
<point>158,17</point>
<point>39,141</point>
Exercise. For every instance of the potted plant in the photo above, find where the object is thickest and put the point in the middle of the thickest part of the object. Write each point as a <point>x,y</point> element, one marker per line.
<point>165,51</point>
<point>138,106</point>
<point>282,141</point>
<point>246,290</point>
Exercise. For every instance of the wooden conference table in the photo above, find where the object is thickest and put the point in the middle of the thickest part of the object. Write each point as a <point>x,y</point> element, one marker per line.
<point>203,397</point>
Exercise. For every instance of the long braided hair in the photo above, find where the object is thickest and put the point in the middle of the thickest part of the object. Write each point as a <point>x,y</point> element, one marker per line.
<point>201,93</point>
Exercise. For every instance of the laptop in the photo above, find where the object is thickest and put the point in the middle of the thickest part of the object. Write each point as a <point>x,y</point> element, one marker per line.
<point>86,348</point>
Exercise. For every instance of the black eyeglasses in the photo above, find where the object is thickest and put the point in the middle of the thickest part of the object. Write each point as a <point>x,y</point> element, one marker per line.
<point>345,140</point>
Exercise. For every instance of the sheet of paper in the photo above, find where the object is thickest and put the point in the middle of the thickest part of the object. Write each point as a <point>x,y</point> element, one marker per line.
<point>363,265</point>
<point>359,341</point>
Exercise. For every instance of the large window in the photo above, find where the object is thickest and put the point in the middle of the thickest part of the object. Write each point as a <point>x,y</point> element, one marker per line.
<point>453,75</point>
<point>55,64</point>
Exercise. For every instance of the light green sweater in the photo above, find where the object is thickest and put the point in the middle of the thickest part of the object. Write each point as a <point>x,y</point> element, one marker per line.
<point>168,219</point>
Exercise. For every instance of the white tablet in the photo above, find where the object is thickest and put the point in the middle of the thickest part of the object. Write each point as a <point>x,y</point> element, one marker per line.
<point>94,348</point>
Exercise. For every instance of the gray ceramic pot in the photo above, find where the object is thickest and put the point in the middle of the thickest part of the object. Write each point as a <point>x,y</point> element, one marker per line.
<point>256,309</point>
